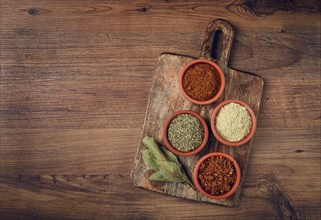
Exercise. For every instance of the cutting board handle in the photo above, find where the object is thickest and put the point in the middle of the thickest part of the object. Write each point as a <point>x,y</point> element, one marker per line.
<point>228,34</point>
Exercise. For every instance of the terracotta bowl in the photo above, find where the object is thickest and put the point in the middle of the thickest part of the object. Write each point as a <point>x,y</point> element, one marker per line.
<point>246,138</point>
<point>196,150</point>
<point>234,187</point>
<point>221,85</point>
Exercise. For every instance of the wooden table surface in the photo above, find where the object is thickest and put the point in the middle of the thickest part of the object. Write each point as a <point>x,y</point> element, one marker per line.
<point>75,79</point>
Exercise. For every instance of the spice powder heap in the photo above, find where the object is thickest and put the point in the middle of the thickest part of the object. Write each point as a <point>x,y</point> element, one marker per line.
<point>185,132</point>
<point>201,82</point>
<point>217,175</point>
<point>233,122</point>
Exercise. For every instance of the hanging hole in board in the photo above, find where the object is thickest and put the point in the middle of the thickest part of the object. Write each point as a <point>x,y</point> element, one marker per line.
<point>217,46</point>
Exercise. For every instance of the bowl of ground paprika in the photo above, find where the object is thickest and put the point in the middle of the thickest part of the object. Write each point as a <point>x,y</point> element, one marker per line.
<point>201,82</point>
<point>185,133</point>
<point>217,175</point>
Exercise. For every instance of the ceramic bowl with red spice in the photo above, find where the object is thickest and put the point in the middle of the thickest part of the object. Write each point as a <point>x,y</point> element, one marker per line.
<point>197,149</point>
<point>216,132</point>
<point>217,175</point>
<point>201,82</point>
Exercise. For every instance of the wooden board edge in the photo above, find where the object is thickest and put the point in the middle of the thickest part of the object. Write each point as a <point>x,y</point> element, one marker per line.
<point>253,74</point>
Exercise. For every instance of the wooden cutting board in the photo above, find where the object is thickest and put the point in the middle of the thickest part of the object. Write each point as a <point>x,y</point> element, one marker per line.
<point>165,98</point>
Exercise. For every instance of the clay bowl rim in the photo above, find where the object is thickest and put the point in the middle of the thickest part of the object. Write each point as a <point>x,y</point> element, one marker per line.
<point>247,137</point>
<point>236,184</point>
<point>197,149</point>
<point>218,70</point>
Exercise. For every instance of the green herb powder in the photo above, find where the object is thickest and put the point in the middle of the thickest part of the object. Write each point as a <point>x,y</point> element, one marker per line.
<point>233,122</point>
<point>185,132</point>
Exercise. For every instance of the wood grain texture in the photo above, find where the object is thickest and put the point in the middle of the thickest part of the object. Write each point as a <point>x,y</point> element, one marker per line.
<point>75,77</point>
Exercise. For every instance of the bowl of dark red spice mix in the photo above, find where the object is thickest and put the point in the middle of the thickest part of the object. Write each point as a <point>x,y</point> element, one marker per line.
<point>233,122</point>
<point>201,82</point>
<point>185,133</point>
<point>217,175</point>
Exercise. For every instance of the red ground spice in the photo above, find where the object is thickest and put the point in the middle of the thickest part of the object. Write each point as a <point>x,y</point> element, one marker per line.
<point>217,175</point>
<point>201,81</point>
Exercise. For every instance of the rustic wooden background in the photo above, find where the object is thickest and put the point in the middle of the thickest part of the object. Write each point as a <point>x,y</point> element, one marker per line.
<point>75,79</point>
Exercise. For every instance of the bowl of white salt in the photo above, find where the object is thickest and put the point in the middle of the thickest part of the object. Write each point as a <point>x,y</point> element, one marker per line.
<point>233,122</point>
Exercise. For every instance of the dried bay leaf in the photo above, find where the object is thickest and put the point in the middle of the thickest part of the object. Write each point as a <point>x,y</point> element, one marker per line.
<point>172,171</point>
<point>164,162</point>
<point>151,144</point>
<point>158,176</point>
<point>170,156</point>
<point>149,159</point>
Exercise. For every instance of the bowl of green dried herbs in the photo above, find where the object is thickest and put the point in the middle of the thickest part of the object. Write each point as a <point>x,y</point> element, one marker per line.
<point>233,122</point>
<point>185,133</point>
